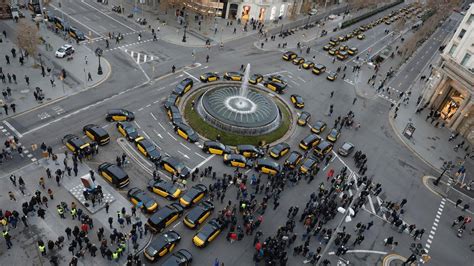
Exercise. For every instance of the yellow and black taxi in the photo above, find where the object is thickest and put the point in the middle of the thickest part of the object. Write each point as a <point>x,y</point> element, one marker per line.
<point>77,145</point>
<point>327,47</point>
<point>297,101</point>
<point>215,147</point>
<point>209,76</point>
<point>346,149</point>
<point>308,65</point>
<point>161,245</point>
<point>266,166</point>
<point>195,194</point>
<point>198,214</point>
<point>289,56</point>
<point>333,41</point>
<point>181,257</point>
<point>141,200</point>
<point>343,48</point>
<point>333,51</point>
<point>237,160</point>
<point>114,174</point>
<point>164,217</point>
<point>186,132</point>
<point>349,36</point>
<point>208,233</point>
<point>360,36</point>
<point>352,51</point>
<point>174,166</point>
<point>97,134</point>
<point>76,34</point>
<point>362,28</point>
<point>249,151</point>
<point>309,141</point>
<point>293,160</point>
<point>341,38</point>
<point>275,86</point>
<point>119,115</point>
<point>277,78</point>
<point>318,69</point>
<point>183,86</point>
<point>279,150</point>
<point>342,55</point>
<point>332,76</point>
<point>234,76</point>
<point>255,79</point>
<point>172,100</point>
<point>303,118</point>
<point>127,130</point>
<point>174,115</point>
<point>323,148</point>
<point>148,149</point>
<point>309,164</point>
<point>333,135</point>
<point>164,188</point>
<point>318,127</point>
<point>298,61</point>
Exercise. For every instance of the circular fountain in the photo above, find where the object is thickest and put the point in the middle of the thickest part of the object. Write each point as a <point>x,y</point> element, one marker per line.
<point>241,109</point>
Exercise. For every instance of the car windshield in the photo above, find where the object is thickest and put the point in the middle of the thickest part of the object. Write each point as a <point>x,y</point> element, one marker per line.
<point>61,50</point>
<point>131,129</point>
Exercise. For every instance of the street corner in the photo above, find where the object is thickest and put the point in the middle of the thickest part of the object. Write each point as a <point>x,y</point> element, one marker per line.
<point>428,182</point>
<point>97,79</point>
<point>393,259</point>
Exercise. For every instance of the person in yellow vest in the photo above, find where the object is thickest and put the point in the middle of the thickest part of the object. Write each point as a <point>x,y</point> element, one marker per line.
<point>115,256</point>
<point>74,213</point>
<point>119,251</point>
<point>42,247</point>
<point>60,211</point>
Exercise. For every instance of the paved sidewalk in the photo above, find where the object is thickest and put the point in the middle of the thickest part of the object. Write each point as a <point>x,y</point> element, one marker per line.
<point>22,94</point>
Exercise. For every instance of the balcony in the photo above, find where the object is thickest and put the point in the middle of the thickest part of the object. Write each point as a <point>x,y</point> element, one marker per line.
<point>457,72</point>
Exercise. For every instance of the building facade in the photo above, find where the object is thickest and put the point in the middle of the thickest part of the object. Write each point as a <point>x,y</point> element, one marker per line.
<point>452,88</point>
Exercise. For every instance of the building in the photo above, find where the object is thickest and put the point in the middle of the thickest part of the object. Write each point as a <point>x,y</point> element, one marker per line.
<point>5,11</point>
<point>453,83</point>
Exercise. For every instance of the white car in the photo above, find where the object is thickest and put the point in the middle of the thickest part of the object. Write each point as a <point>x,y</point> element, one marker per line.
<point>64,51</point>
<point>313,12</point>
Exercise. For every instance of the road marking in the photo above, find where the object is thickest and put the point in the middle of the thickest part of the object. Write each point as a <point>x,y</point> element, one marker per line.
<point>137,124</point>
<point>146,135</point>
<point>435,225</point>
<point>297,84</point>
<point>171,136</point>
<point>199,155</point>
<point>152,115</point>
<point>178,223</point>
<point>275,73</point>
<point>185,146</point>
<point>80,23</point>
<point>362,251</point>
<point>159,135</point>
<point>300,78</point>
<point>161,126</point>
<point>82,1</point>
<point>185,155</point>
<point>6,123</point>
<point>184,71</point>
<point>371,203</point>
<point>203,162</point>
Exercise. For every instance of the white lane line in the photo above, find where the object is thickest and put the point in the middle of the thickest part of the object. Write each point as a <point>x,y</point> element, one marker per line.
<point>152,115</point>
<point>171,136</point>
<point>185,146</point>
<point>146,135</point>
<point>203,162</point>
<point>162,126</point>
<point>13,129</point>
<point>300,78</point>
<point>158,134</point>
<point>178,223</point>
<point>200,155</point>
<point>184,154</point>
<point>275,73</point>
<point>137,124</point>
<point>82,1</point>
<point>184,71</point>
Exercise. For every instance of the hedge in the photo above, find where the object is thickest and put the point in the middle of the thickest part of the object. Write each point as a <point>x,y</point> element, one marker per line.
<point>369,14</point>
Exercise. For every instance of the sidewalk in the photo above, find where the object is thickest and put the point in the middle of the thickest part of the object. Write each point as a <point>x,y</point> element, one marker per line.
<point>76,71</point>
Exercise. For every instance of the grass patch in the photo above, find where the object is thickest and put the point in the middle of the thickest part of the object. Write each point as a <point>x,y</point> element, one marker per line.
<point>210,132</point>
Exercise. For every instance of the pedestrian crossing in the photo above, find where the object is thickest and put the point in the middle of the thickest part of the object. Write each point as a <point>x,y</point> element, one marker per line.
<point>392,95</point>
<point>140,57</point>
<point>103,38</point>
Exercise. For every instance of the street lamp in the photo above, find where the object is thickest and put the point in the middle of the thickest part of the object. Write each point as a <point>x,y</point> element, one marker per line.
<point>446,166</point>
<point>307,22</point>
<point>99,53</point>
<point>184,34</point>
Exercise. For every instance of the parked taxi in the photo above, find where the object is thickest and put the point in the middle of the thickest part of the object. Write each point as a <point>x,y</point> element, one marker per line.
<point>97,134</point>
<point>319,69</point>
<point>215,147</point>
<point>183,87</point>
<point>297,101</point>
<point>333,135</point>
<point>303,118</point>
<point>127,130</point>
<point>174,166</point>
<point>249,151</point>
<point>148,149</point>
<point>198,214</point>
<point>207,233</point>
<point>164,188</point>
<point>161,245</point>
<point>234,76</point>
<point>289,56</point>
<point>141,200</point>
<point>119,115</point>
<point>114,174</point>
<point>209,76</point>
<point>309,141</point>
<point>193,195</point>
<point>279,150</point>
<point>76,144</point>
<point>293,160</point>
<point>255,79</point>
<point>318,127</point>
<point>186,132</point>
<point>266,166</point>
<point>237,160</point>
<point>164,217</point>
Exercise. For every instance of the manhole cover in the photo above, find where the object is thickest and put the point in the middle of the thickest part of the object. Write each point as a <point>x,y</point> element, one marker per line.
<point>25,91</point>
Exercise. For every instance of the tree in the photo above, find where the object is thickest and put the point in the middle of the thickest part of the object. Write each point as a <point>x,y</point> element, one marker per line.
<point>27,37</point>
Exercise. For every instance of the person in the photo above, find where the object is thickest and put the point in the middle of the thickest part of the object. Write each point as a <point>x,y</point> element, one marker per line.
<point>207,58</point>
<point>173,68</point>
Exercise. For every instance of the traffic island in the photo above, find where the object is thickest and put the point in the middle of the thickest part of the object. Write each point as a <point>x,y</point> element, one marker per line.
<point>393,260</point>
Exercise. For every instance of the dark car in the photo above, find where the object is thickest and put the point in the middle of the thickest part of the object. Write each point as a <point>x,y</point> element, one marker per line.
<point>209,76</point>
<point>208,233</point>
<point>275,86</point>
<point>237,160</point>
<point>164,217</point>
<point>322,149</point>
<point>174,115</point>
<point>249,151</point>
<point>174,166</point>
<point>287,56</point>
<point>183,87</point>
<point>141,200</point>
<point>346,149</point>
<point>215,147</point>
<point>333,135</point>
<point>161,245</point>
<point>114,174</point>
<point>234,76</point>
<point>255,79</point>
<point>303,118</point>
<point>165,189</point>
<point>309,164</point>
<point>198,214</point>
<point>279,150</point>
<point>180,258</point>
<point>127,130</point>
<point>172,100</point>
<point>277,78</point>
<point>193,195</point>
<point>293,160</point>
<point>267,166</point>
<point>119,115</point>
<point>297,101</point>
<point>97,134</point>
<point>186,132</point>
<point>148,149</point>
<point>318,127</point>
<point>76,144</point>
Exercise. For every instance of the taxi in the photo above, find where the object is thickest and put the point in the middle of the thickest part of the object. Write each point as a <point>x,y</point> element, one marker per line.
<point>309,164</point>
<point>327,47</point>
<point>76,144</point>
<point>318,127</point>
<point>215,147</point>
<point>255,79</point>
<point>333,51</point>
<point>209,76</point>
<point>193,195</point>
<point>208,233</point>
<point>346,149</point>
<point>352,51</point>
<point>333,135</point>
<point>148,149</point>
<point>341,38</point>
<point>333,41</point>
<point>198,214</point>
<point>332,76</point>
<point>237,160</point>
<point>172,100</point>
<point>164,217</point>
<point>277,78</point>
<point>97,134</point>
<point>323,148</point>
<point>349,36</point>
<point>186,132</point>
<point>174,166</point>
<point>303,119</point>
<point>181,257</point>
<point>265,166</point>
<point>298,61</point>
<point>164,188</point>
<point>293,160</point>
<point>309,141</point>
<point>360,36</point>
<point>308,65</point>
<point>183,87</point>
<point>127,130</point>
<point>318,69</point>
<point>114,174</point>
<point>161,245</point>
<point>141,200</point>
<point>275,86</point>
<point>342,55</point>
<point>249,151</point>
<point>289,56</point>
<point>279,150</point>
<point>297,101</point>
<point>174,115</point>
<point>343,48</point>
<point>119,115</point>
<point>362,28</point>
<point>234,76</point>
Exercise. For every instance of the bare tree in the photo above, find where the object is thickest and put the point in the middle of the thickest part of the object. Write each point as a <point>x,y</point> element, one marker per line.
<point>27,37</point>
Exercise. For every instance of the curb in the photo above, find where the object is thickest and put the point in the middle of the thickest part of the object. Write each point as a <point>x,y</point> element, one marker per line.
<point>387,260</point>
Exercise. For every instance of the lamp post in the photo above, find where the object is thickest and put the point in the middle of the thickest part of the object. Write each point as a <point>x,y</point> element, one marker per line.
<point>41,61</point>
<point>446,166</point>
<point>99,53</point>
<point>184,33</point>
<point>307,22</point>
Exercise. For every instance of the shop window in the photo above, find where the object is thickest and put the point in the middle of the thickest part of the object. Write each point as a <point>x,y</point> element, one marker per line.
<point>465,59</point>
<point>461,34</point>
<point>470,19</point>
<point>453,48</point>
